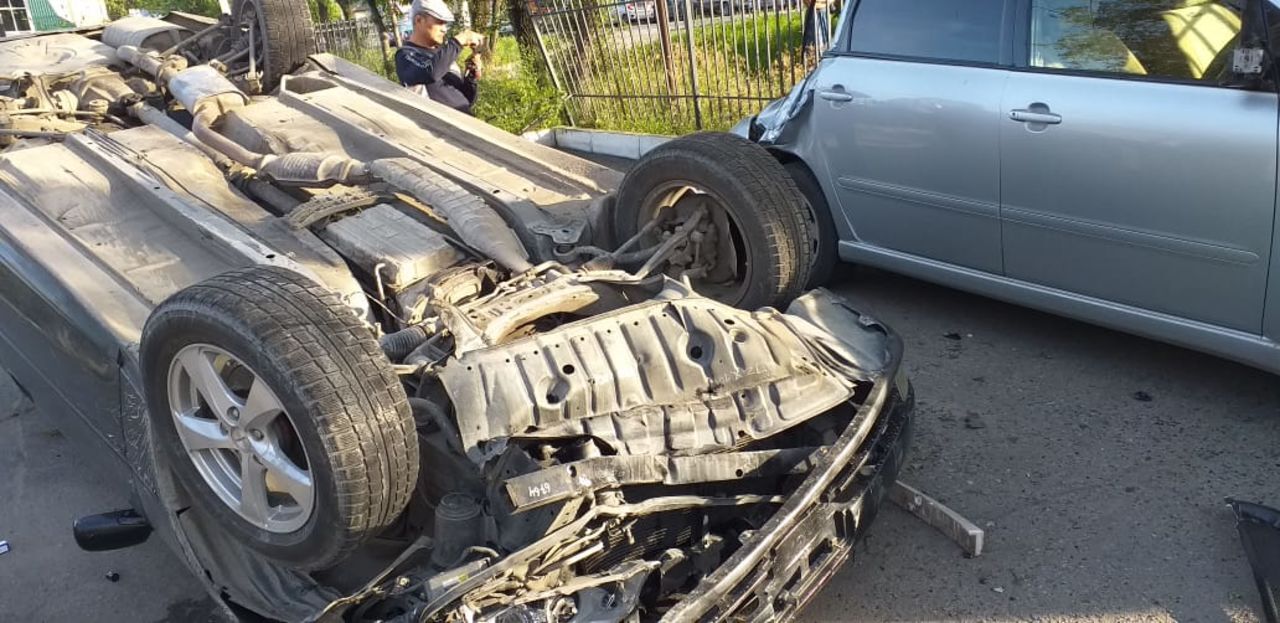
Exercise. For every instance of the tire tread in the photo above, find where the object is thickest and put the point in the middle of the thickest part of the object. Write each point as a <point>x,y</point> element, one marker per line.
<point>775,202</point>
<point>340,375</point>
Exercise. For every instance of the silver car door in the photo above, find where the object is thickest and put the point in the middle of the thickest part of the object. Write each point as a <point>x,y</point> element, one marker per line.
<point>909,106</point>
<point>1137,166</point>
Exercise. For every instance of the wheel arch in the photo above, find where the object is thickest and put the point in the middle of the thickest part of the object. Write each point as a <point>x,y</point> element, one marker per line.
<point>832,223</point>
<point>789,157</point>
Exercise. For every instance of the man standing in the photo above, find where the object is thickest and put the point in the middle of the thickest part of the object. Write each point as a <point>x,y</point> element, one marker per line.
<point>426,60</point>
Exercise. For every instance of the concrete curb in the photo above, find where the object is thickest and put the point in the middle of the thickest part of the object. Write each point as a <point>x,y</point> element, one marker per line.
<point>601,142</point>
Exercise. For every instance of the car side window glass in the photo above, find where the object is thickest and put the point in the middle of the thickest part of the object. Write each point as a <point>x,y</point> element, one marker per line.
<point>944,30</point>
<point>1178,39</point>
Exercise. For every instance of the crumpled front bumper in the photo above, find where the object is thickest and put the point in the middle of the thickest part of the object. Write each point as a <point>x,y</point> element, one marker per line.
<point>774,575</point>
<point>780,566</point>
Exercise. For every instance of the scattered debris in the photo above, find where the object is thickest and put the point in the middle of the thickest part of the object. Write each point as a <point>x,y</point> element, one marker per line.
<point>964,532</point>
<point>1142,396</point>
<point>112,576</point>
<point>974,421</point>
<point>952,335</point>
<point>4,547</point>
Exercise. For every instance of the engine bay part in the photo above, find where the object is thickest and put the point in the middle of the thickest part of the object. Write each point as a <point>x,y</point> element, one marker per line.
<point>562,427</point>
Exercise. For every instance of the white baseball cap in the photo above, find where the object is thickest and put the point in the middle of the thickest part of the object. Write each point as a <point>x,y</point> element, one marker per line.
<point>435,8</point>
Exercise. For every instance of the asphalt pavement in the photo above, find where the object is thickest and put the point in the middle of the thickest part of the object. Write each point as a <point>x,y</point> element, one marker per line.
<point>47,480</point>
<point>1096,461</point>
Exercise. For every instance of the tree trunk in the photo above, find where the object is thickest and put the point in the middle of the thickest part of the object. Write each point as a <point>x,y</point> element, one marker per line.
<point>491,28</point>
<point>375,13</point>
<point>384,15</point>
<point>479,13</point>
<point>518,12</point>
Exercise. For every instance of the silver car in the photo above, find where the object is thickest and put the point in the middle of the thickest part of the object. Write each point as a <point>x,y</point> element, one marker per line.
<point>1108,160</point>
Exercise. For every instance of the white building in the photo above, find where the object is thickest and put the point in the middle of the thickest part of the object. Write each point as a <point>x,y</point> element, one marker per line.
<point>23,16</point>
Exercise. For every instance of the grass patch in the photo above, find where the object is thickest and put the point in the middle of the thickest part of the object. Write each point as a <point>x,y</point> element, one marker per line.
<point>372,59</point>
<point>515,93</point>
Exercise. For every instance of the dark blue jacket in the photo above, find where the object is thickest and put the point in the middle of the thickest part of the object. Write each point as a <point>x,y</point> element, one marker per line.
<point>417,65</point>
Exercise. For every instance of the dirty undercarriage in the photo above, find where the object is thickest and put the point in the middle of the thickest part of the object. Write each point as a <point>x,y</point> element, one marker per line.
<point>593,440</point>
<point>623,457</point>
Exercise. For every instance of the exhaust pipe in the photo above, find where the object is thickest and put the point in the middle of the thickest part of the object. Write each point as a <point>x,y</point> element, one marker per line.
<point>208,96</point>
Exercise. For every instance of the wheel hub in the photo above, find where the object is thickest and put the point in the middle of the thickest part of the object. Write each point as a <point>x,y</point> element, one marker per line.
<point>714,256</point>
<point>240,439</point>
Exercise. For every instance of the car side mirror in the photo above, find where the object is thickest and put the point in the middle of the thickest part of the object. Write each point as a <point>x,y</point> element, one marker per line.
<point>113,530</point>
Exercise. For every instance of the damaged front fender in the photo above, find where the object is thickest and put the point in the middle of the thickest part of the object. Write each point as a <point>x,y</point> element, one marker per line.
<point>772,126</point>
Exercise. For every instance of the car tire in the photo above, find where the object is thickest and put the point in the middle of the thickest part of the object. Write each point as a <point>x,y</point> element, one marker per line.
<point>822,227</point>
<point>768,216</point>
<point>339,408</point>
<point>290,35</point>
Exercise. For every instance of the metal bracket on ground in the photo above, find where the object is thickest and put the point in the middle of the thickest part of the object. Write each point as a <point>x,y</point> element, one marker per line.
<point>965,533</point>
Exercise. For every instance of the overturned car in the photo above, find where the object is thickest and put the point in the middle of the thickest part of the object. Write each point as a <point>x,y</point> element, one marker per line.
<point>365,358</point>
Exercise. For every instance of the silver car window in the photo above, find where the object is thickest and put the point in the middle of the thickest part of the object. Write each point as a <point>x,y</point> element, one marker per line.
<point>943,30</point>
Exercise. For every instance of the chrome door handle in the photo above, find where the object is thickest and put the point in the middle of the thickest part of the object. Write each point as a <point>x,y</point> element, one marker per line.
<point>1034,116</point>
<point>835,96</point>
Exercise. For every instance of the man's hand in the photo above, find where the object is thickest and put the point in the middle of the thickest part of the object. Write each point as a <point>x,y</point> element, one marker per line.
<point>469,38</point>
<point>475,68</point>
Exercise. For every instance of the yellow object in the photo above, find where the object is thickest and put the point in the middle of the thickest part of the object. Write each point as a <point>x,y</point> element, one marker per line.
<point>1202,31</point>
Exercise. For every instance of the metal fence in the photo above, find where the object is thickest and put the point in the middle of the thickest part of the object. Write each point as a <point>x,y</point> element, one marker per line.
<point>672,66</point>
<point>356,40</point>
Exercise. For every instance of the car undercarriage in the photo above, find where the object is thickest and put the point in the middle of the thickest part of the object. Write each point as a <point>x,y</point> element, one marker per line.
<point>379,361</point>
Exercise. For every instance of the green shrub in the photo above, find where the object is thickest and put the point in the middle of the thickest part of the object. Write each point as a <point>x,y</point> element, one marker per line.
<point>372,59</point>
<point>515,92</point>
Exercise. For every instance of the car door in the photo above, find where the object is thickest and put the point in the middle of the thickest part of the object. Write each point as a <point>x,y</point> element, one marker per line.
<point>909,106</point>
<point>1137,167</point>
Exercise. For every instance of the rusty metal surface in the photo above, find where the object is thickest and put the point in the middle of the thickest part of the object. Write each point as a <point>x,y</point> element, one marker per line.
<point>678,376</point>
<point>561,482</point>
<point>486,321</point>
